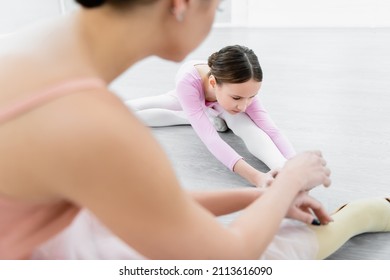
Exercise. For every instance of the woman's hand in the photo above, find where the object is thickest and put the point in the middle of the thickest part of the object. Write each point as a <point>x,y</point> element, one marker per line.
<point>308,210</point>
<point>308,169</point>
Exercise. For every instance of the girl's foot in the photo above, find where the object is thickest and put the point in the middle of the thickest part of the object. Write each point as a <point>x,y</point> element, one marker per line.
<point>218,123</point>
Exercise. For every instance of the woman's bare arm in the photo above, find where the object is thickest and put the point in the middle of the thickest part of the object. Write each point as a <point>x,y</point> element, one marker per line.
<point>226,201</point>
<point>112,165</point>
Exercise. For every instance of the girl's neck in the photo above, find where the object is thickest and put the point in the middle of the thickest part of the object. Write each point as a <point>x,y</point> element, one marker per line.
<point>209,94</point>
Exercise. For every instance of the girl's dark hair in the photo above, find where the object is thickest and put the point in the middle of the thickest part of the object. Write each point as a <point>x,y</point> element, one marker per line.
<point>235,64</point>
<point>117,3</point>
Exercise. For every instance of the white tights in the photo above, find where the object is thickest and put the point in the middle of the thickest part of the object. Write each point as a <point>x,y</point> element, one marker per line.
<point>165,110</point>
<point>160,110</point>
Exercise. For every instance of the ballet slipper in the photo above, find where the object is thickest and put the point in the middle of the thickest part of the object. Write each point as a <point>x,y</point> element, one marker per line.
<point>370,205</point>
<point>361,216</point>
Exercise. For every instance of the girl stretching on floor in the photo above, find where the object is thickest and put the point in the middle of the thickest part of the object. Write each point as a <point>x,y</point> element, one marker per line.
<point>82,178</point>
<point>223,91</point>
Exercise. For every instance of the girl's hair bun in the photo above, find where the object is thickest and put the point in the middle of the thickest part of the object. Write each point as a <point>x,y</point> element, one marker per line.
<point>91,3</point>
<point>212,59</point>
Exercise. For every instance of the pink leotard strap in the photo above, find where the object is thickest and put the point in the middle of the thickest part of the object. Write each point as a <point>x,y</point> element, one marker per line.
<point>40,97</point>
<point>25,225</point>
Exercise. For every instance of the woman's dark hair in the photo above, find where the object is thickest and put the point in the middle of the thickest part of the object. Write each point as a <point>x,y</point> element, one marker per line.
<point>235,64</point>
<point>117,3</point>
<point>90,3</point>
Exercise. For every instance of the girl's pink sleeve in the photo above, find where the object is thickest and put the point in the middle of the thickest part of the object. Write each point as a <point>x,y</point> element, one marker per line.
<point>262,119</point>
<point>188,92</point>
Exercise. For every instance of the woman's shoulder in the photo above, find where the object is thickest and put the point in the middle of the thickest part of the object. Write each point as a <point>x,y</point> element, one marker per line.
<point>96,109</point>
<point>80,132</point>
<point>80,114</point>
<point>57,136</point>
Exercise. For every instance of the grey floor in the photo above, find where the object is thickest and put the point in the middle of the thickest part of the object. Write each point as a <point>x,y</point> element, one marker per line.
<point>327,89</point>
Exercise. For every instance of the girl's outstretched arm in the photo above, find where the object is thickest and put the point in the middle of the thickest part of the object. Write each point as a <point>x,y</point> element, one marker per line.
<point>262,119</point>
<point>254,176</point>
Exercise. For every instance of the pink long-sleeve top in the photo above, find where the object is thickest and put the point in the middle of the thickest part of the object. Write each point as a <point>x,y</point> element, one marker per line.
<point>191,95</point>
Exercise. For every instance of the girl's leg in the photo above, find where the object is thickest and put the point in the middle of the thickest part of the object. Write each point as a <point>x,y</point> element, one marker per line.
<point>256,140</point>
<point>161,110</point>
<point>361,216</point>
<point>165,110</point>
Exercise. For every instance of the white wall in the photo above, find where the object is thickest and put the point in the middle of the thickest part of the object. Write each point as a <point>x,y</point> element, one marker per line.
<point>258,13</point>
<point>16,13</point>
<point>311,13</point>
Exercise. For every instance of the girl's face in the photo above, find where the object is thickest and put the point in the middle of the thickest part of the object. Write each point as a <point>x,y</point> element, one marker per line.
<point>235,98</point>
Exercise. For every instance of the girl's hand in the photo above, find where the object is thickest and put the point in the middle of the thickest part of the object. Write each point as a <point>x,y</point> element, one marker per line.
<point>266,179</point>
<point>308,210</point>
